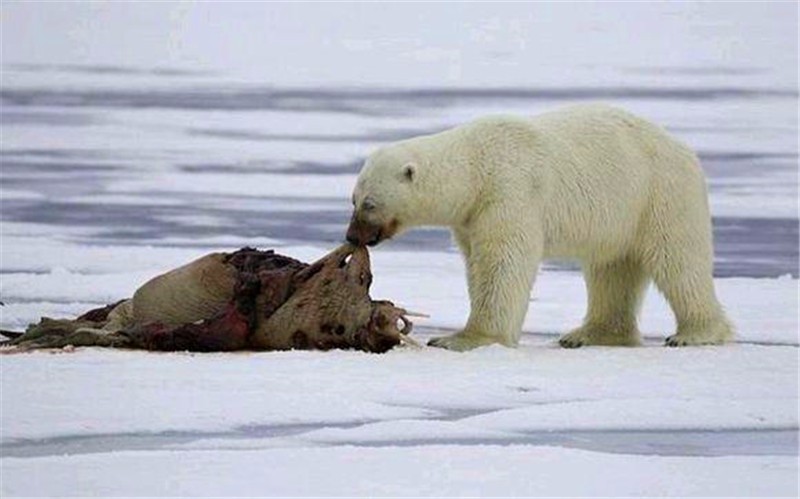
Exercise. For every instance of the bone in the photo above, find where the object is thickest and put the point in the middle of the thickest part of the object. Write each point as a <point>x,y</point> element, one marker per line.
<point>408,340</point>
<point>411,313</point>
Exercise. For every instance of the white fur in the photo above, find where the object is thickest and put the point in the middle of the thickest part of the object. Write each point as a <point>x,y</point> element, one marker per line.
<point>591,183</point>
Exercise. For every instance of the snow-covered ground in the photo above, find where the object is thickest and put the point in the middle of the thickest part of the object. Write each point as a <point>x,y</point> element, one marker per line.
<point>138,136</point>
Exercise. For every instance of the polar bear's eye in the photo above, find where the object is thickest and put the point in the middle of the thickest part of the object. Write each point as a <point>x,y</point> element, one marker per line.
<point>409,172</point>
<point>368,205</point>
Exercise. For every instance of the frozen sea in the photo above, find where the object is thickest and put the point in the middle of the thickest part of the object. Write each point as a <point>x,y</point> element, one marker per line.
<point>136,137</point>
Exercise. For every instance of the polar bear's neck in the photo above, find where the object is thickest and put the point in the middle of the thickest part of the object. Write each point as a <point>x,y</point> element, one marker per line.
<point>452,171</point>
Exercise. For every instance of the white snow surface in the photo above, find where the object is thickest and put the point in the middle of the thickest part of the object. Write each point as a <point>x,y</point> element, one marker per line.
<point>408,422</point>
<point>433,471</point>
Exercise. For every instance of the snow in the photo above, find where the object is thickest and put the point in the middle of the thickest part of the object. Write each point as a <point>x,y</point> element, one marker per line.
<point>340,186</point>
<point>407,413</point>
<point>538,387</point>
<point>384,423</point>
<point>428,282</point>
<point>374,44</point>
<point>427,471</point>
<point>137,137</point>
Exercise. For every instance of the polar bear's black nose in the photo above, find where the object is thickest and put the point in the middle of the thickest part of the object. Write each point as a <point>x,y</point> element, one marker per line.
<point>353,234</point>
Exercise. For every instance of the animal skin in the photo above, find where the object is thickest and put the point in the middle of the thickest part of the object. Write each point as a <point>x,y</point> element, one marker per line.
<point>247,300</point>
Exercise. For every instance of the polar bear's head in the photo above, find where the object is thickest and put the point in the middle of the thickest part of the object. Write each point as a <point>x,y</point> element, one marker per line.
<point>388,195</point>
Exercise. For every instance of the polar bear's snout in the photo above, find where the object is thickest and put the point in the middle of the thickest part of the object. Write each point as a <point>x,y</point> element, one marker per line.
<point>362,232</point>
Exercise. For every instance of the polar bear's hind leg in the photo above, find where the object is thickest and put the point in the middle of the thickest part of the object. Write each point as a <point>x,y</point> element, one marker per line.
<point>679,256</point>
<point>690,293</point>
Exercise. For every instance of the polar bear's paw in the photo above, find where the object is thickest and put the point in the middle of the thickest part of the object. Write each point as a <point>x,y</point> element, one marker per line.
<point>585,336</point>
<point>687,340</point>
<point>461,342</point>
<point>677,340</point>
<point>575,339</point>
<point>714,332</point>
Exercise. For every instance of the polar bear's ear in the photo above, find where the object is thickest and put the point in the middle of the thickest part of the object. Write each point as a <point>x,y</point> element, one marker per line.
<point>409,172</point>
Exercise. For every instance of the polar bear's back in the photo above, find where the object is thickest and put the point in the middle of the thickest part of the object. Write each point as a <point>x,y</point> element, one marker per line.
<point>603,139</point>
<point>606,172</point>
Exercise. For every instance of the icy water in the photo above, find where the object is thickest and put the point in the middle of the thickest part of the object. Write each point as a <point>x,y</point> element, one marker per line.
<point>641,442</point>
<point>160,165</point>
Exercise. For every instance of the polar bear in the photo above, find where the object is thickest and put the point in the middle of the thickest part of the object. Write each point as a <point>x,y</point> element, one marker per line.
<point>591,183</point>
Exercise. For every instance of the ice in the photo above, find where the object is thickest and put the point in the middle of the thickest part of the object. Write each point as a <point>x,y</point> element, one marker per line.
<point>417,471</point>
<point>137,137</point>
<point>402,46</point>
<point>406,403</point>
<point>428,282</point>
<point>340,186</point>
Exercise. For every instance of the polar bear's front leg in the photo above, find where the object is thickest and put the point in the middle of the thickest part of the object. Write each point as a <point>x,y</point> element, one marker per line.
<point>500,274</point>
